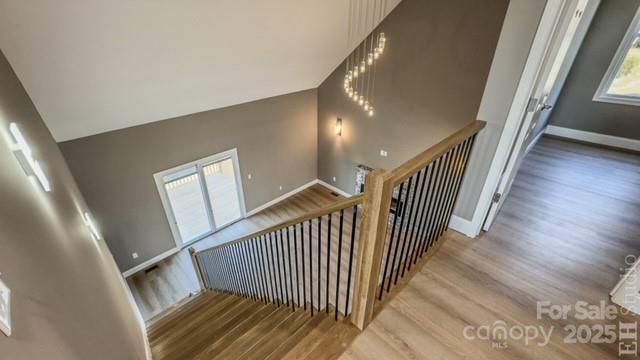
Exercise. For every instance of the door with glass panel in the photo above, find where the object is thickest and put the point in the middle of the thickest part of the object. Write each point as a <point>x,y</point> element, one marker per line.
<point>202,197</point>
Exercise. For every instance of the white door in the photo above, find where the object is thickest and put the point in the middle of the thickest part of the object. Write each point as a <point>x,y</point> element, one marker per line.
<point>202,196</point>
<point>538,108</point>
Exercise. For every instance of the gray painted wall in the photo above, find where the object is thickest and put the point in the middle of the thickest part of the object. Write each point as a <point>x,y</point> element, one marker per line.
<point>276,142</point>
<point>68,300</point>
<point>575,108</point>
<point>429,83</point>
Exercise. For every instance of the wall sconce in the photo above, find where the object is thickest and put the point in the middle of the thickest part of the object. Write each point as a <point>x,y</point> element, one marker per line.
<point>30,165</point>
<point>339,126</point>
<point>92,226</point>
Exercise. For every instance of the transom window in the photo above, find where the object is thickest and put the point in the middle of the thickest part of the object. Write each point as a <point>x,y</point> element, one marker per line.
<point>202,196</point>
<point>621,83</point>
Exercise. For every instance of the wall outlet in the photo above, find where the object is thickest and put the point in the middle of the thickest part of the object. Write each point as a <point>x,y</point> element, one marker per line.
<point>5,309</point>
<point>383,153</point>
<point>334,179</point>
<point>280,187</point>
<point>134,255</point>
<point>249,176</point>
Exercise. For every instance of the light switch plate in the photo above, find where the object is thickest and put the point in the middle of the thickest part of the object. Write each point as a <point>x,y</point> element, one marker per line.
<point>5,309</point>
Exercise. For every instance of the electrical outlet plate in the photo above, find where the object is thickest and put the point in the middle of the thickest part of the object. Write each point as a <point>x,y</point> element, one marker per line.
<point>5,309</point>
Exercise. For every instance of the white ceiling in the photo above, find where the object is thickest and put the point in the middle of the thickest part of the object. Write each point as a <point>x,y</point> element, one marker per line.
<point>92,66</point>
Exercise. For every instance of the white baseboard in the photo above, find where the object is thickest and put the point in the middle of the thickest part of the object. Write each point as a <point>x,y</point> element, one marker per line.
<point>608,140</point>
<point>150,262</point>
<point>282,197</point>
<point>462,226</point>
<point>334,189</point>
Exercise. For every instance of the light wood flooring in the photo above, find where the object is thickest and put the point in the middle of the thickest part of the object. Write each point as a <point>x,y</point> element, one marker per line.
<point>221,326</point>
<point>171,283</point>
<point>572,216</point>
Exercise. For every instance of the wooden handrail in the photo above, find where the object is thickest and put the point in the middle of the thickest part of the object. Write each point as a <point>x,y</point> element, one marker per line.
<point>342,204</point>
<point>404,171</point>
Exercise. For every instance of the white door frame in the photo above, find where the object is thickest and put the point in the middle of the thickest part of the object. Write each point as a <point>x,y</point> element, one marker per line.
<point>528,80</point>
<point>166,204</point>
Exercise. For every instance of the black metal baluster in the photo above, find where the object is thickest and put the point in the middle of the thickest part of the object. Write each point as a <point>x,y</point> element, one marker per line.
<point>445,174</point>
<point>339,260</point>
<point>224,261</point>
<point>295,253</point>
<point>319,258</point>
<point>310,265</point>
<point>401,208</point>
<point>216,270</point>
<point>293,302</point>
<point>274,263</point>
<point>464,160</point>
<point>256,262</point>
<point>393,229</point>
<point>353,240</point>
<point>265,267</point>
<point>417,220</point>
<point>241,275</point>
<point>406,214</point>
<point>412,219</point>
<point>232,266</point>
<point>431,212</point>
<point>269,253</point>
<point>282,278</point>
<point>250,272</point>
<point>203,268</point>
<point>206,269</point>
<point>219,270</point>
<point>451,178</point>
<point>239,268</point>
<point>425,213</point>
<point>328,260</point>
<point>304,276</point>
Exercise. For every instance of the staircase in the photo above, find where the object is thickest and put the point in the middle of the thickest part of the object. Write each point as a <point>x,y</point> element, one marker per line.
<point>306,287</point>
<point>223,326</point>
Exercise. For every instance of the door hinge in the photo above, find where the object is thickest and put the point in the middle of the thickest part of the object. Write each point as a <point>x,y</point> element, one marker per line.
<point>496,197</point>
<point>533,103</point>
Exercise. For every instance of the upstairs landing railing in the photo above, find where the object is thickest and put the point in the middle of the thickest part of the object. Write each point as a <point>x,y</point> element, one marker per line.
<point>345,258</point>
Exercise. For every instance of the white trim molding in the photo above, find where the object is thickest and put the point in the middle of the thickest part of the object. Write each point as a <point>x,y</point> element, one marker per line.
<point>334,189</point>
<point>463,226</point>
<point>595,138</point>
<point>150,262</point>
<point>282,197</point>
<point>602,93</point>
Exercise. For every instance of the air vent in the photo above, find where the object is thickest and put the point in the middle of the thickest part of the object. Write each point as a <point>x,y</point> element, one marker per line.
<point>335,194</point>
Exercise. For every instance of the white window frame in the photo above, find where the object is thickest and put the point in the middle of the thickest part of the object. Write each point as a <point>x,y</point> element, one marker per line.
<point>602,94</point>
<point>199,164</point>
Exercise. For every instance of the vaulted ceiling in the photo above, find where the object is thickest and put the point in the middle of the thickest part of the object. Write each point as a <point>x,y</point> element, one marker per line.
<point>92,66</point>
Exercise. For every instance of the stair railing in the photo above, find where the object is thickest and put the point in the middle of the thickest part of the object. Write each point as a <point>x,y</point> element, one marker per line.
<point>345,257</point>
<point>406,213</point>
<point>306,262</point>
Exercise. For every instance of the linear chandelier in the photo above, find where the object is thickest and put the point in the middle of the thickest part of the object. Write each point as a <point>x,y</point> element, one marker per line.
<point>360,71</point>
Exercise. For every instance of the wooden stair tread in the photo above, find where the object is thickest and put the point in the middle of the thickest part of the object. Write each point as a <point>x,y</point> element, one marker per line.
<point>274,338</point>
<point>224,326</point>
<point>191,319</point>
<point>294,339</point>
<point>217,329</point>
<point>309,343</point>
<point>248,339</point>
<point>223,342</point>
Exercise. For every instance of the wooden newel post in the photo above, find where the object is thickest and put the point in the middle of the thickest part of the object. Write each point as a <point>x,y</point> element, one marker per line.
<point>196,266</point>
<point>373,230</point>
